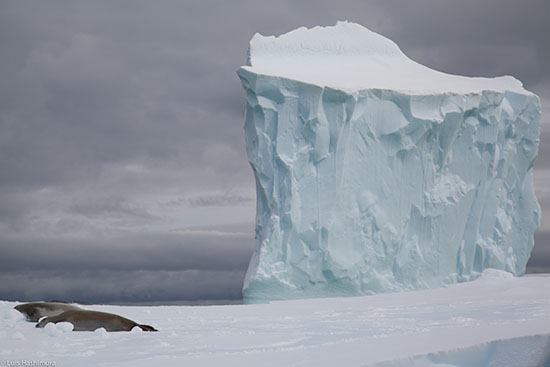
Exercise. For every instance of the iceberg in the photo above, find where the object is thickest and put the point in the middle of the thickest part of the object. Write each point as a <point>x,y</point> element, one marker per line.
<point>377,174</point>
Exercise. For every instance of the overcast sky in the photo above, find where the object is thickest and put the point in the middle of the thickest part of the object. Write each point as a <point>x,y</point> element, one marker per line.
<point>123,172</point>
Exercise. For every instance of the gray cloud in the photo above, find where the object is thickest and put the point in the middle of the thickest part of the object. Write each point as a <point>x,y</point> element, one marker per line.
<point>114,286</point>
<point>189,264</point>
<point>106,91</point>
<point>116,207</point>
<point>543,159</point>
<point>188,250</point>
<point>219,200</point>
<point>540,257</point>
<point>121,125</point>
<point>488,38</point>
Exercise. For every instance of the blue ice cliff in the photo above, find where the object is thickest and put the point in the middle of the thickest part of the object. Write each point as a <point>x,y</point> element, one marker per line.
<point>377,174</point>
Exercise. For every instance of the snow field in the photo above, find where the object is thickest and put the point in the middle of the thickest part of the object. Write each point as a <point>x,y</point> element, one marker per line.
<point>495,321</point>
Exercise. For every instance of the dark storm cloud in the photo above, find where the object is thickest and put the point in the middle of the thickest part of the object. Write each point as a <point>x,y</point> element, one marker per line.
<point>111,207</point>
<point>107,86</point>
<point>475,38</point>
<point>187,250</point>
<point>543,159</point>
<point>218,200</point>
<point>112,286</point>
<point>193,264</point>
<point>540,257</point>
<point>115,113</point>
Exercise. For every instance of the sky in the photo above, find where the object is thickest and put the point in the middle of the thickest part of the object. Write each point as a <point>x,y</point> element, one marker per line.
<point>124,175</point>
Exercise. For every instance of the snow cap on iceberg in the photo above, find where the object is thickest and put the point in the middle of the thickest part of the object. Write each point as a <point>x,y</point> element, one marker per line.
<point>350,57</point>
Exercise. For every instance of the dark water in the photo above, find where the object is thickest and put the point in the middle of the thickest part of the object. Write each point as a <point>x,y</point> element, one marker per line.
<point>205,302</point>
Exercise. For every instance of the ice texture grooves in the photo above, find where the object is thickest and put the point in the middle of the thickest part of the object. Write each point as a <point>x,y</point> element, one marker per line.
<point>378,190</point>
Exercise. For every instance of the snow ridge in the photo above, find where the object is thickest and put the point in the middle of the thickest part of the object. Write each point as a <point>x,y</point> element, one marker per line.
<point>351,57</point>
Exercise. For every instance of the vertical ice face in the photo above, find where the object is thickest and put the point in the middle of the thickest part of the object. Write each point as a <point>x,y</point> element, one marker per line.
<point>377,174</point>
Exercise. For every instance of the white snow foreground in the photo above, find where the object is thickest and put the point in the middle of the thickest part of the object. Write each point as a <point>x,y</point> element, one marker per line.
<point>377,174</point>
<point>497,320</point>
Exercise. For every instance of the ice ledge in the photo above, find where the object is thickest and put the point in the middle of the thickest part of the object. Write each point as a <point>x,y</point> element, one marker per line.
<point>528,351</point>
<point>350,57</point>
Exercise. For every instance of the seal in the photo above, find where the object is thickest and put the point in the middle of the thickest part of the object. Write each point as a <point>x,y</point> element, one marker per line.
<point>34,311</point>
<point>84,320</point>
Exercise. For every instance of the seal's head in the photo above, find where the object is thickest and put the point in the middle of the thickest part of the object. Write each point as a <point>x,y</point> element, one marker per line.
<point>34,311</point>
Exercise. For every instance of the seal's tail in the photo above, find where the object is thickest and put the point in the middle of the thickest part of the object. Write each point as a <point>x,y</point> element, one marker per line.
<point>147,328</point>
